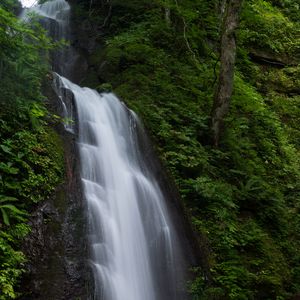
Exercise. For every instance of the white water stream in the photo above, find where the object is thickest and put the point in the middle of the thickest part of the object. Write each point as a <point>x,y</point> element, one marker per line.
<point>134,252</point>
<point>129,227</point>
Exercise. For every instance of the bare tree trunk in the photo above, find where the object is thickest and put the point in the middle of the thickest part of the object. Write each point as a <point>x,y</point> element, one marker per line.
<point>223,6</point>
<point>227,58</point>
<point>168,16</point>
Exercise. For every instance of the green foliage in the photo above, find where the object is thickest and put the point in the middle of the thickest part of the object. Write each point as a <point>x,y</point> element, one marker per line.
<point>266,28</point>
<point>34,165</point>
<point>30,153</point>
<point>104,88</point>
<point>11,260</point>
<point>31,167</point>
<point>21,64</point>
<point>11,5</point>
<point>243,196</point>
<point>9,210</point>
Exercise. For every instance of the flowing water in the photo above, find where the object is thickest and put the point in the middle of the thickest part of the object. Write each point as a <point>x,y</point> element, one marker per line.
<point>134,249</point>
<point>55,18</point>
<point>132,241</point>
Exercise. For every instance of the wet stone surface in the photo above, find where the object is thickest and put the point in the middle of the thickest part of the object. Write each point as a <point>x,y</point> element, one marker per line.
<point>56,247</point>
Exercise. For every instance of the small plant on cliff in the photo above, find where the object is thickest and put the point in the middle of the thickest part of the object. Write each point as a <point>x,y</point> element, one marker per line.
<point>10,211</point>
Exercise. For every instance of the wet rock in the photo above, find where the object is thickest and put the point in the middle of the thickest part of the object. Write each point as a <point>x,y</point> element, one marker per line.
<point>271,59</point>
<point>56,247</point>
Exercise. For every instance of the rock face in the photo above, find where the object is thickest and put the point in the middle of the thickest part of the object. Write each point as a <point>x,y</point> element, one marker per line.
<point>56,247</point>
<point>87,40</point>
<point>271,59</point>
<point>194,250</point>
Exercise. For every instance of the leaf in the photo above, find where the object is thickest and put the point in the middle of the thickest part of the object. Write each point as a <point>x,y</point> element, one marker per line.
<point>20,155</point>
<point>7,168</point>
<point>5,217</point>
<point>14,209</point>
<point>7,198</point>
<point>12,185</point>
<point>5,149</point>
<point>237,172</point>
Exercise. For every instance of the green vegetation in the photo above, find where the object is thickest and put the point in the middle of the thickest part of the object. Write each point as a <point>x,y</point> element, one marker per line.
<point>244,196</point>
<point>31,157</point>
<point>161,58</point>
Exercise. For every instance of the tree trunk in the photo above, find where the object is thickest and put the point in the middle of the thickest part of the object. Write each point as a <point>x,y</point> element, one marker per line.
<point>227,58</point>
<point>168,16</point>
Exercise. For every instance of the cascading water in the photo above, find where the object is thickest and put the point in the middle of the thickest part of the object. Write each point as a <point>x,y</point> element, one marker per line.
<point>55,16</point>
<point>134,250</point>
<point>57,10</point>
<point>132,241</point>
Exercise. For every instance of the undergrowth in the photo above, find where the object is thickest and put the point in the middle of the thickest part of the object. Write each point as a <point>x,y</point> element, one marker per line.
<point>243,196</point>
<point>31,155</point>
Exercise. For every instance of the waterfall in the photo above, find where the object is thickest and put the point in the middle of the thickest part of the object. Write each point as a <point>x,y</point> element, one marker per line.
<point>134,249</point>
<point>132,242</point>
<point>55,18</point>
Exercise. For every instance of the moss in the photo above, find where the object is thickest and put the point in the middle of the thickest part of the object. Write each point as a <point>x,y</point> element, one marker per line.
<point>104,88</point>
<point>52,141</point>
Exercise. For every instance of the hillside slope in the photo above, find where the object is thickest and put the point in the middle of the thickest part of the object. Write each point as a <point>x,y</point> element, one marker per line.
<point>161,58</point>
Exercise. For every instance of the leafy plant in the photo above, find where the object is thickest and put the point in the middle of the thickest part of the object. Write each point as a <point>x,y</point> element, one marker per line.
<point>9,210</point>
<point>31,157</point>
